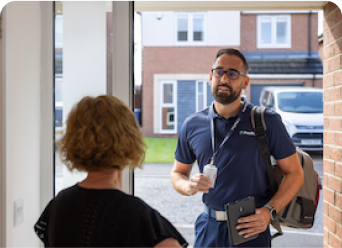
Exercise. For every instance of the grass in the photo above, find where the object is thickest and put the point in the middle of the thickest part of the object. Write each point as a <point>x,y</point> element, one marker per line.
<point>160,150</point>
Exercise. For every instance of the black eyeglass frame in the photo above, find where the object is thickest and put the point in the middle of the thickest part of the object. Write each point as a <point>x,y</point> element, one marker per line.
<point>240,73</point>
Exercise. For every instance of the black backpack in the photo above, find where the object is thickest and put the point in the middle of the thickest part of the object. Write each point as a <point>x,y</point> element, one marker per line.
<point>300,212</point>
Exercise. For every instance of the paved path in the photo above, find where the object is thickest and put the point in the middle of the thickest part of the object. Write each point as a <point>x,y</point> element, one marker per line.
<point>153,185</point>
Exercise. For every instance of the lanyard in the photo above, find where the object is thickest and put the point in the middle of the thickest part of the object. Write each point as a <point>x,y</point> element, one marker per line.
<point>231,130</point>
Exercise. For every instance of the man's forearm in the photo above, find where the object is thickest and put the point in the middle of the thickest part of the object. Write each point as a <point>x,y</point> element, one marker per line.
<point>288,188</point>
<point>179,182</point>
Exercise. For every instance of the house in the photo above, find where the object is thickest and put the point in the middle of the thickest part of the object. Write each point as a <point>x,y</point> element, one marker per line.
<point>179,49</point>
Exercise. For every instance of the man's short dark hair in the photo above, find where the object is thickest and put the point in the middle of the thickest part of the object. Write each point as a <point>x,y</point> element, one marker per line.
<point>232,51</point>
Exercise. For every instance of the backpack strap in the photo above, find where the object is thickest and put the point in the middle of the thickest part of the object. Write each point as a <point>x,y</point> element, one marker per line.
<point>258,123</point>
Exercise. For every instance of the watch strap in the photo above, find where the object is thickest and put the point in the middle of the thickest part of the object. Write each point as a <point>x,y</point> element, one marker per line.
<point>272,211</point>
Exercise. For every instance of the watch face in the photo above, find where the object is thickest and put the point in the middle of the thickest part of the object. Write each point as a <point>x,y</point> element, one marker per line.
<point>273,213</point>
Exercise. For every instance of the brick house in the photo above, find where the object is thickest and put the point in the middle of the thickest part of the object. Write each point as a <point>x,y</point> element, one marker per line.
<point>179,50</point>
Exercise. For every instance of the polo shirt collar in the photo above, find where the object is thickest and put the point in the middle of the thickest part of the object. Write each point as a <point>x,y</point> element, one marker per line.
<point>212,113</point>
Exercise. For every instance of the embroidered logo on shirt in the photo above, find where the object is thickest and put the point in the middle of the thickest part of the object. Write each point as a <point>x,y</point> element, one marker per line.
<point>248,133</point>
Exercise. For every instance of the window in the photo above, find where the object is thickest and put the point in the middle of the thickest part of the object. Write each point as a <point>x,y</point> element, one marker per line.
<point>168,107</point>
<point>190,28</point>
<point>274,31</point>
<point>201,95</point>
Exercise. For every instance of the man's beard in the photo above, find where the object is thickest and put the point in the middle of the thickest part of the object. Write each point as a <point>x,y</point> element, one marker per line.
<point>225,98</point>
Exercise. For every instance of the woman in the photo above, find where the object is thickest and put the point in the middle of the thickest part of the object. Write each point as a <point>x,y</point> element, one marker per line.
<point>102,138</point>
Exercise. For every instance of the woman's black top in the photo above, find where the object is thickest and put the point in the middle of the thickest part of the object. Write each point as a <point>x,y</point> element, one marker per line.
<point>79,217</point>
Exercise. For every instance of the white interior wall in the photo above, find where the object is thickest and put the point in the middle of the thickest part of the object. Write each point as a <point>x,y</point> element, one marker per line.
<point>22,78</point>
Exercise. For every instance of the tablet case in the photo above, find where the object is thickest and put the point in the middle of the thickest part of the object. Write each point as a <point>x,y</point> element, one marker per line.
<point>235,210</point>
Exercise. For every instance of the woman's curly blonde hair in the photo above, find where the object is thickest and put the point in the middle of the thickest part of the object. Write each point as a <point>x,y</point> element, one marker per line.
<point>101,134</point>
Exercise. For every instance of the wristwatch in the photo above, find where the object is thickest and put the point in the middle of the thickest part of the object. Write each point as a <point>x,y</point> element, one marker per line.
<point>273,211</point>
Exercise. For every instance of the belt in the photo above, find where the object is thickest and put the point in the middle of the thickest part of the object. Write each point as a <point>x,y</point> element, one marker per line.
<point>218,215</point>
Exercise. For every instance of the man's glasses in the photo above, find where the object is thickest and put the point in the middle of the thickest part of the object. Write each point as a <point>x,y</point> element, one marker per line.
<point>231,73</point>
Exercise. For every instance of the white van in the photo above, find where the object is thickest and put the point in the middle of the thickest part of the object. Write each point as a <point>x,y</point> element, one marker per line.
<point>301,109</point>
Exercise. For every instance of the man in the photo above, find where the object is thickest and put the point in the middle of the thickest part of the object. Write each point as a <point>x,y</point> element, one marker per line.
<point>225,128</point>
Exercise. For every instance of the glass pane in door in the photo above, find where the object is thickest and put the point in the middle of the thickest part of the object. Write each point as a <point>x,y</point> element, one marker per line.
<point>82,66</point>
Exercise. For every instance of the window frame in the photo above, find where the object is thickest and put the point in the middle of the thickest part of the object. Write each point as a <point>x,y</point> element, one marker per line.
<point>168,105</point>
<point>190,29</point>
<point>273,43</point>
<point>204,94</point>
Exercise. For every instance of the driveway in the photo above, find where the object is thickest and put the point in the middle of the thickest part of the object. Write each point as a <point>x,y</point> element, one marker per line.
<point>153,185</point>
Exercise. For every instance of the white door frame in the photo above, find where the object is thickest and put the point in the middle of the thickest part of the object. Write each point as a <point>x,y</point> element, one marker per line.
<point>2,133</point>
<point>123,44</point>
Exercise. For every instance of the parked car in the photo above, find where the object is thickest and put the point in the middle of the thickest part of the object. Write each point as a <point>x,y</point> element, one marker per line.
<point>301,110</point>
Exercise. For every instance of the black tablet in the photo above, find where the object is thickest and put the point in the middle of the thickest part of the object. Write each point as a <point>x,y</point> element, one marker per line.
<point>235,210</point>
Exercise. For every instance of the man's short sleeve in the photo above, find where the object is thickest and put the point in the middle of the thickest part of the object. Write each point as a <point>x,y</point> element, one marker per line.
<point>280,143</point>
<point>183,151</point>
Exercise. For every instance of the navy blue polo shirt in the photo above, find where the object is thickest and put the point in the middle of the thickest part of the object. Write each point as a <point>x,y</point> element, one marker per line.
<point>241,169</point>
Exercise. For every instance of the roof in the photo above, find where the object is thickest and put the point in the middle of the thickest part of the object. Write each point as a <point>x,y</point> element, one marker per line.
<point>284,63</point>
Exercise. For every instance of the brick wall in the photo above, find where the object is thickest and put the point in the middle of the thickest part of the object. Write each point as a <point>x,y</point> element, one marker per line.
<point>332,157</point>
<point>299,23</point>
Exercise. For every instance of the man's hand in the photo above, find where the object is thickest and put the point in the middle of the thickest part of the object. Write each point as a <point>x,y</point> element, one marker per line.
<point>198,182</point>
<point>254,224</point>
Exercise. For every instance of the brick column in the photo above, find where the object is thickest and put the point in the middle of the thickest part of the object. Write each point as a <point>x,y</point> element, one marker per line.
<point>332,156</point>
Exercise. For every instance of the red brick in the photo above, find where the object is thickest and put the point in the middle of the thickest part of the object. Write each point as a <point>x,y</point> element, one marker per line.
<point>334,241</point>
<point>329,224</point>
<point>335,124</point>
<point>325,245</point>
<point>333,6</point>
<point>328,138</point>
<point>335,214</point>
<point>335,184</point>
<point>335,32</point>
<point>325,235</point>
<point>337,46</point>
<point>334,63</point>
<point>326,39</point>
<point>338,78</point>
<point>338,230</point>
<point>328,80</point>
<point>329,166</point>
<point>326,151</point>
<point>326,179</point>
<point>326,94</point>
<point>326,123</point>
<point>338,139</point>
<point>325,67</point>
<point>334,94</point>
<point>326,208</point>
<point>332,18</point>
<point>338,169</point>
<point>335,153</point>
<point>329,109</point>
<point>338,200</point>
<point>328,195</point>
<point>338,109</point>
<point>325,25</point>
<point>326,9</point>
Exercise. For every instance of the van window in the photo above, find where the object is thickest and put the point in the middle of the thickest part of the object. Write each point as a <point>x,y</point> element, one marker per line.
<point>301,102</point>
